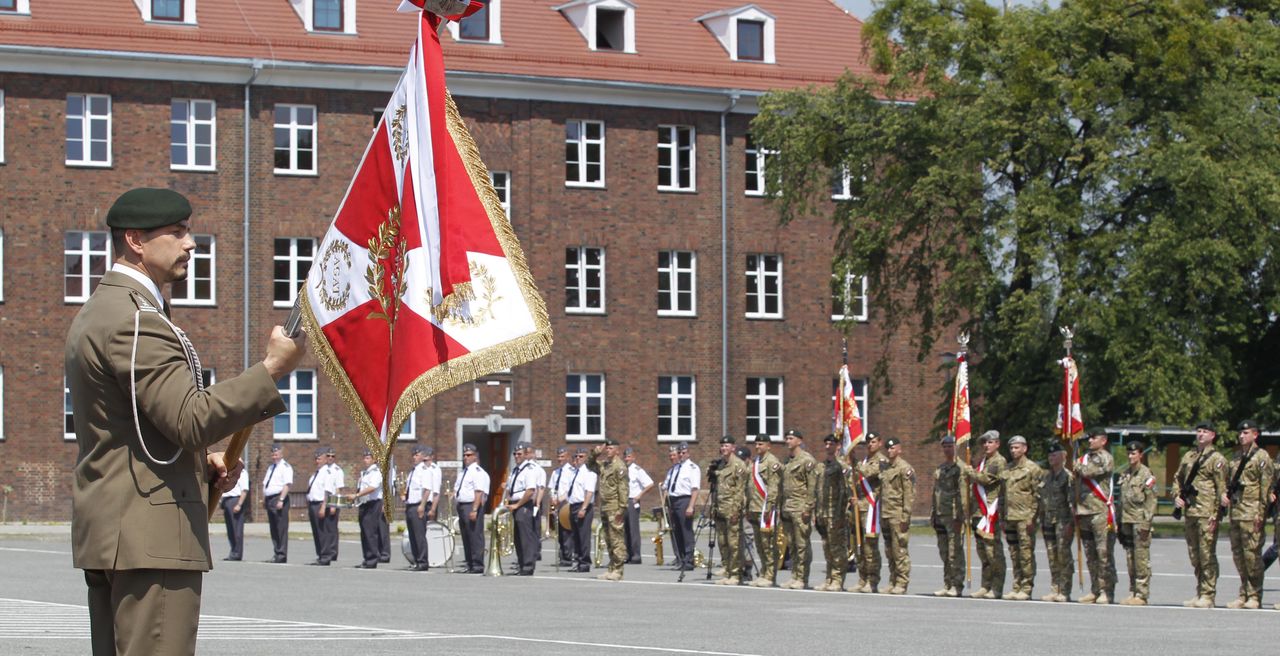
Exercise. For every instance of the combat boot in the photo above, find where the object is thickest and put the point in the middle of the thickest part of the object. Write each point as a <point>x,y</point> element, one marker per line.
<point>1203,601</point>
<point>943,592</point>
<point>794,584</point>
<point>728,580</point>
<point>1191,603</point>
<point>897,590</point>
<point>1238,603</point>
<point>953,592</point>
<point>1102,599</point>
<point>1018,596</point>
<point>1088,599</point>
<point>981,593</point>
<point>863,586</point>
<point>1252,604</point>
<point>1052,596</point>
<point>762,583</point>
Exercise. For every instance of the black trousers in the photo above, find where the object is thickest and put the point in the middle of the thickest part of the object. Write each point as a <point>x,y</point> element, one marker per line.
<point>384,534</point>
<point>331,533</point>
<point>632,531</point>
<point>317,530</point>
<point>682,531</point>
<point>235,526</point>
<point>472,537</point>
<point>417,527</point>
<point>371,531</point>
<point>581,534</point>
<point>278,521</point>
<point>526,537</point>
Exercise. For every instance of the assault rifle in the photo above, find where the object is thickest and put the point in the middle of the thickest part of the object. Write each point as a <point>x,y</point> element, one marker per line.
<point>1186,489</point>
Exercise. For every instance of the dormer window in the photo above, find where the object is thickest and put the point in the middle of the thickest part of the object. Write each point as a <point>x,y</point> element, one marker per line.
<point>484,26</point>
<point>181,12</point>
<point>606,25</point>
<point>15,7</point>
<point>326,16</point>
<point>746,33</point>
<point>166,10</point>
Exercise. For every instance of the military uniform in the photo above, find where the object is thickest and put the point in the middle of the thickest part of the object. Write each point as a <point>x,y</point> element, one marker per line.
<point>1201,513</point>
<point>898,495</point>
<point>611,497</point>
<point>799,490</point>
<point>731,500</point>
<point>832,521</point>
<point>1057,521</point>
<point>866,489</point>
<point>1022,482</point>
<point>947,519</point>
<point>984,484</point>
<point>1248,502</point>
<point>1095,515</point>
<point>1137,508</point>
<point>762,509</point>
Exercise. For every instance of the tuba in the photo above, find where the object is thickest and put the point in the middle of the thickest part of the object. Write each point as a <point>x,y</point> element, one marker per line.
<point>657,538</point>
<point>599,542</point>
<point>493,564</point>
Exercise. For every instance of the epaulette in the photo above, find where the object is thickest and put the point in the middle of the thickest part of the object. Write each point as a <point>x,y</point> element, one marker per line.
<point>143,303</point>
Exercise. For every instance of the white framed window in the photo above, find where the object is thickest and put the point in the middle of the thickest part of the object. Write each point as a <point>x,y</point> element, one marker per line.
<point>860,386</point>
<point>502,186</point>
<point>745,33</point>
<point>172,12</point>
<point>1,124</point>
<point>298,421</point>
<point>841,184</point>
<point>848,297</point>
<point>584,407</point>
<point>764,407</point>
<point>484,26</point>
<point>677,283</point>
<point>606,25</point>
<point>326,16</point>
<point>757,160</point>
<point>676,414</point>
<point>86,256</point>
<point>192,135</point>
<point>68,413</point>
<point>291,264</point>
<point>584,280</point>
<point>21,7</point>
<point>409,429</point>
<point>583,153</point>
<point>764,286</point>
<point>676,162</point>
<point>88,130</point>
<point>200,287</point>
<point>295,139</point>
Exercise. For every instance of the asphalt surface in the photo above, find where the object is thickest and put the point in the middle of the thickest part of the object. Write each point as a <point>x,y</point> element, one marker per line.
<point>252,607</point>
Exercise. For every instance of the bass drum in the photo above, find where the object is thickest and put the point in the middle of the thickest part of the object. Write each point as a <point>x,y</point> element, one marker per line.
<point>439,544</point>
<point>407,549</point>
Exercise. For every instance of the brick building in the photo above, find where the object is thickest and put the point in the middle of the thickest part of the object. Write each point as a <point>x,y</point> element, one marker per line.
<point>616,132</point>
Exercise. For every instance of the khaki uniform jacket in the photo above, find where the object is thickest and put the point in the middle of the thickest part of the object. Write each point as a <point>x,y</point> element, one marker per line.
<point>771,472</point>
<point>897,491</point>
<point>991,478</point>
<point>1055,497</point>
<point>1137,496</point>
<point>869,470</point>
<point>1097,467</point>
<point>948,494</point>
<point>731,488</point>
<point>1022,491</point>
<point>1255,485</point>
<point>833,491</point>
<point>613,486</point>
<point>1210,483</point>
<point>800,484</point>
<point>127,511</point>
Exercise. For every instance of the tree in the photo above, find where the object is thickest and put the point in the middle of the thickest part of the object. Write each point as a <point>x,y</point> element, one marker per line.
<point>1112,166</point>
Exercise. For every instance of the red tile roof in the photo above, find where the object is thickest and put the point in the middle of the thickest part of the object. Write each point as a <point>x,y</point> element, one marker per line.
<point>815,40</point>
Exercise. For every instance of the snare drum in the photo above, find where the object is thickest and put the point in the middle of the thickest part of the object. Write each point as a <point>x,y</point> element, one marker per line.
<point>439,544</point>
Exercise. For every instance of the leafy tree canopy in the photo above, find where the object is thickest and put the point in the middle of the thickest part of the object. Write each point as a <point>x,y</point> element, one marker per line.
<point>1111,166</point>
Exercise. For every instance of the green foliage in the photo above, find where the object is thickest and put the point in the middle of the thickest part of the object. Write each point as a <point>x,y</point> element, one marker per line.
<point>1111,166</point>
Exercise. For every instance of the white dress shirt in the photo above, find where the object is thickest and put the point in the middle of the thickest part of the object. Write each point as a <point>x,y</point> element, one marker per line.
<point>685,479</point>
<point>279,474</point>
<point>242,485</point>
<point>417,484</point>
<point>584,482</point>
<point>523,478</point>
<point>337,478</point>
<point>371,477</point>
<point>318,485</point>
<point>432,484</point>
<point>561,480</point>
<point>470,480</point>
<point>638,480</point>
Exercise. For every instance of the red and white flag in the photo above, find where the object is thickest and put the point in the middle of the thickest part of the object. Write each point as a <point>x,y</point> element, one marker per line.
<point>848,421</point>
<point>420,283</point>
<point>1070,423</point>
<point>958,421</point>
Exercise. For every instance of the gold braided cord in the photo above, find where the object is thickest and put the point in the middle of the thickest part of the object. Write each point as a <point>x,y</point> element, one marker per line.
<point>332,368</point>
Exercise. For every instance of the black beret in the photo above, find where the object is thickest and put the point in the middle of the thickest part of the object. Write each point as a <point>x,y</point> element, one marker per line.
<point>891,442</point>
<point>872,436</point>
<point>830,437</point>
<point>743,452</point>
<point>948,440</point>
<point>1204,425</point>
<point>795,433</point>
<point>611,442</point>
<point>727,439</point>
<point>1097,432</point>
<point>1136,446</point>
<point>1248,424</point>
<point>145,208</point>
<point>1056,447</point>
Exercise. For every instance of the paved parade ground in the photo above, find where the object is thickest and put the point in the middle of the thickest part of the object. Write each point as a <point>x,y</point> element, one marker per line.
<point>253,607</point>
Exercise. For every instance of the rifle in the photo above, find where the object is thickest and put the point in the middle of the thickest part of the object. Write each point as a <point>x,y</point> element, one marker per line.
<point>1234,488</point>
<point>1186,491</point>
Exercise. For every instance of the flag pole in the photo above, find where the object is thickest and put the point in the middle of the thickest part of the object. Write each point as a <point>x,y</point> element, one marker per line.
<point>853,501</point>
<point>963,340</point>
<point>1065,435</point>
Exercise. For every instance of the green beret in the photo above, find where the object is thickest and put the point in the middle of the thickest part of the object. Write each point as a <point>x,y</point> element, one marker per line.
<point>145,209</point>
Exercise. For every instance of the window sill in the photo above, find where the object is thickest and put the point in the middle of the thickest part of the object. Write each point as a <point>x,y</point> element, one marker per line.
<point>589,313</point>
<point>88,165</point>
<point>662,439</point>
<point>286,437</point>
<point>677,190</point>
<point>194,169</point>
<point>764,317</point>
<point>584,438</point>
<point>584,185</point>
<point>677,315</point>
<point>186,303</point>
<point>289,173</point>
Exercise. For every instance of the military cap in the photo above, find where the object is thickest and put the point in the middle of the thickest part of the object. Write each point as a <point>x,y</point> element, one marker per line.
<point>561,449</point>
<point>524,444</point>
<point>891,442</point>
<point>1017,439</point>
<point>948,440</point>
<point>1096,432</point>
<point>428,451</point>
<point>872,436</point>
<point>368,453</point>
<point>830,437</point>
<point>276,447</point>
<point>990,436</point>
<point>581,451</point>
<point>1056,447</point>
<point>611,442</point>
<point>763,438</point>
<point>628,451</point>
<point>791,432</point>
<point>1248,424</point>
<point>146,208</point>
<point>1205,425</point>
<point>328,450</point>
<point>683,446</point>
<point>416,450</point>
<point>1135,446</point>
<point>727,439</point>
<point>470,447</point>
<point>673,448</point>
<point>322,452</point>
<point>744,453</point>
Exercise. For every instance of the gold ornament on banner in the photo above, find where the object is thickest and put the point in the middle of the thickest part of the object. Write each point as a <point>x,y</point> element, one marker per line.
<point>333,284</point>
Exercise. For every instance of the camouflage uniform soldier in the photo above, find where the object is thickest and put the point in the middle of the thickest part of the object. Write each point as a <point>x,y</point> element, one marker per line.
<point>898,494</point>
<point>984,483</point>
<point>832,515</point>
<point>730,486</point>
<point>1248,489</point>
<point>762,507</point>
<point>1095,516</point>
<point>1201,481</point>
<point>1022,482</point>
<point>799,490</point>
<point>947,519</point>
<point>866,490</point>
<point>1057,521</point>
<point>611,496</point>
<point>1137,507</point>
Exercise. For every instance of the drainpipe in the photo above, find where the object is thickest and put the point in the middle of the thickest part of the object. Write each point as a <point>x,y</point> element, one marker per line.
<point>724,268</point>
<point>244,234</point>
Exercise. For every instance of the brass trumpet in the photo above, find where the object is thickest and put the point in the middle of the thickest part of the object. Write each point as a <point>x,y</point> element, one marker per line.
<point>657,539</point>
<point>597,534</point>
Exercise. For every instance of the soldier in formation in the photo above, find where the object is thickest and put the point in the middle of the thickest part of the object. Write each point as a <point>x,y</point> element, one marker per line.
<point>1137,508</point>
<point>947,518</point>
<point>1057,523</point>
<point>898,495</point>
<point>1022,481</point>
<point>1244,503</point>
<point>729,490</point>
<point>985,482</point>
<point>832,510</point>
<point>1201,481</point>
<point>866,461</point>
